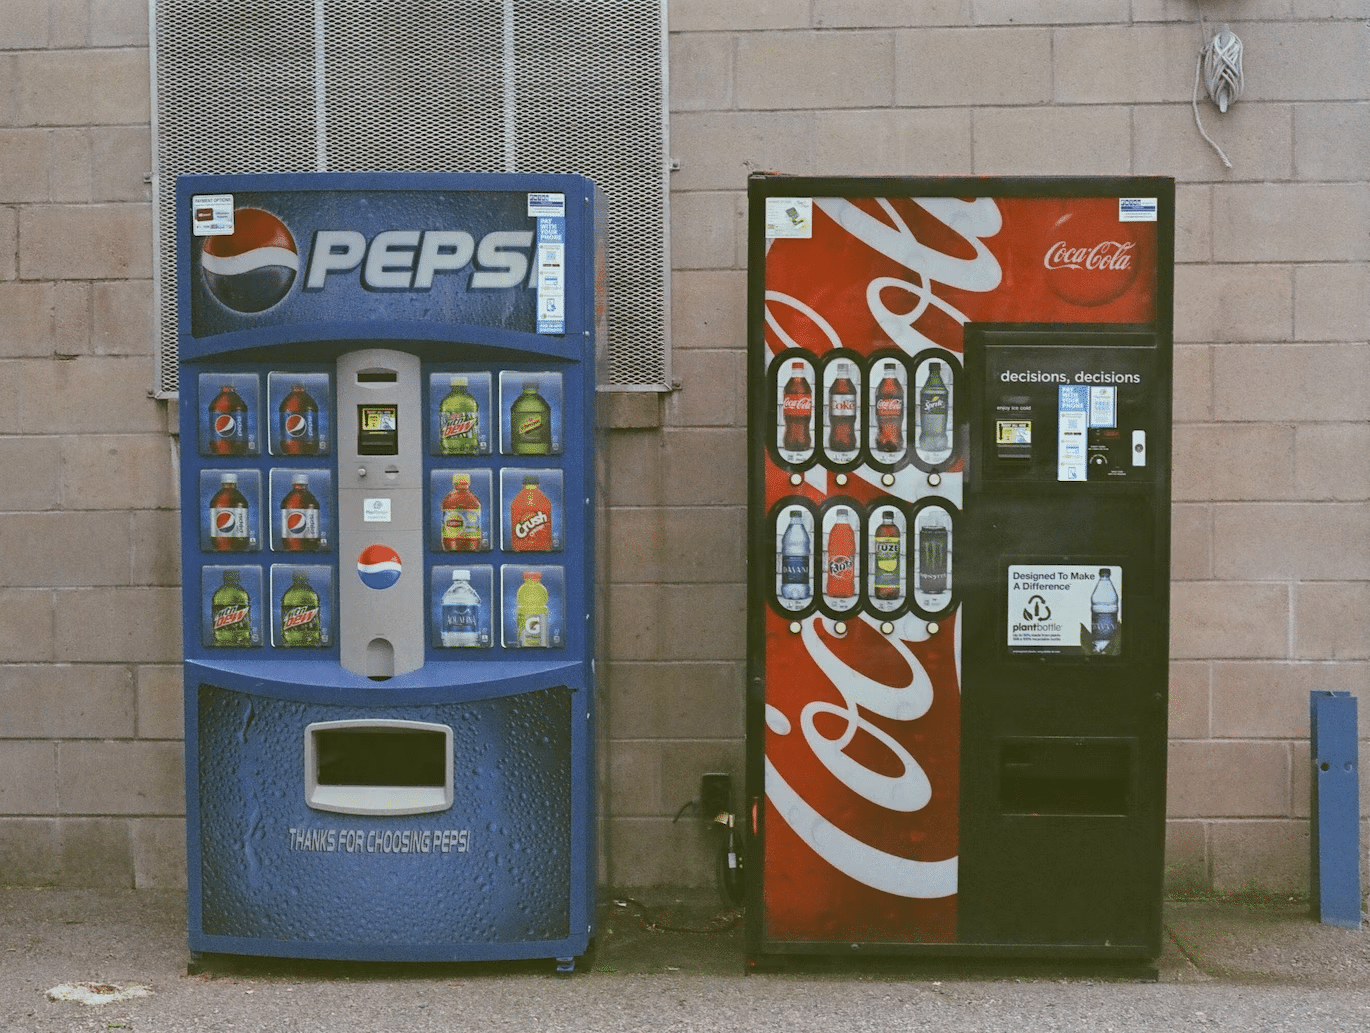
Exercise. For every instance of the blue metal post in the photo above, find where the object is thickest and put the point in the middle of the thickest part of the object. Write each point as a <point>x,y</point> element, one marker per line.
<point>1335,838</point>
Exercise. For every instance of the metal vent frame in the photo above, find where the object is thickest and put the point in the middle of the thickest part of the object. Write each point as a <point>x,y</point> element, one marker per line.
<point>427,86</point>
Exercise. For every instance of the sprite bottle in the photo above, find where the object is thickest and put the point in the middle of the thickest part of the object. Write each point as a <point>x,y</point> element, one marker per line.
<point>230,612</point>
<point>300,624</point>
<point>459,421</point>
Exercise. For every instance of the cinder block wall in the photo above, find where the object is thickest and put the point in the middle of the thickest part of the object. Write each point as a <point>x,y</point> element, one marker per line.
<point>1272,493</point>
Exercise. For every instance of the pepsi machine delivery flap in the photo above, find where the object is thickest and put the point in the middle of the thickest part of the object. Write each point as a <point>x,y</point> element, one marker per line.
<point>387,388</point>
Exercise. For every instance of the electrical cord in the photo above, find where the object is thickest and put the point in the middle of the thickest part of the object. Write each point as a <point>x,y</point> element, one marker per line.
<point>1219,64</point>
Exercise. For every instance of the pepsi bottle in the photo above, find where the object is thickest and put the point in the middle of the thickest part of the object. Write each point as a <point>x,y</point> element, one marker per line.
<point>228,423</point>
<point>299,416</point>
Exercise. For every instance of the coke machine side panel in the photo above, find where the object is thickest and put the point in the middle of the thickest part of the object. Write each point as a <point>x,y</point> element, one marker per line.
<point>958,398</point>
<point>388,536</point>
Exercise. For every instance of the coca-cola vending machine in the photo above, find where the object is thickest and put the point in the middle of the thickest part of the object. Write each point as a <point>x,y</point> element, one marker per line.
<point>388,462</point>
<point>960,408</point>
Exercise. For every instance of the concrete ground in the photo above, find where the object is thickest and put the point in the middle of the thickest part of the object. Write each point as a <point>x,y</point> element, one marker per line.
<point>668,962</point>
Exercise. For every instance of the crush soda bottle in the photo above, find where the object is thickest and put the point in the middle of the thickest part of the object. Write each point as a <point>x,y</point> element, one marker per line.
<point>459,420</point>
<point>530,422</point>
<point>230,612</point>
<point>530,519</point>
<point>796,405</point>
<point>228,423</point>
<point>300,623</point>
<point>841,558</point>
<point>461,530</point>
<point>887,557</point>
<point>299,416</point>
<point>530,614</point>
<point>300,522</point>
<point>228,530</point>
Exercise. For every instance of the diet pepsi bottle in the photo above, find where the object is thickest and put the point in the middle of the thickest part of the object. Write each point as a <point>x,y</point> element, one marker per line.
<point>1103,612</point>
<point>300,523</point>
<point>794,561</point>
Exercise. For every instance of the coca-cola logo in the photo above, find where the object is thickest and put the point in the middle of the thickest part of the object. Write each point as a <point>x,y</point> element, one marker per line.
<point>526,527</point>
<point>1090,258</point>
<point>892,407</point>
<point>798,405</point>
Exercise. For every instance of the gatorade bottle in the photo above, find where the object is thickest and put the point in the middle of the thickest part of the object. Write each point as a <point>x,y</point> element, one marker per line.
<point>531,612</point>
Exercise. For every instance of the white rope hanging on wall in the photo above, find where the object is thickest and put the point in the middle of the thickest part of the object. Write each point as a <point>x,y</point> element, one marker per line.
<point>1220,67</point>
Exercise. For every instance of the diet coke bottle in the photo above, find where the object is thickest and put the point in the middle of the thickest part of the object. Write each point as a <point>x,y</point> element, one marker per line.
<point>842,411</point>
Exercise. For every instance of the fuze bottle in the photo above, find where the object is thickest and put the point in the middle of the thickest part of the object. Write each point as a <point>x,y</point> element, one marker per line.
<point>887,557</point>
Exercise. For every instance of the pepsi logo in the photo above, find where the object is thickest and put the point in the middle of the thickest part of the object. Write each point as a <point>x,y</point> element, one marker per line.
<point>1090,257</point>
<point>254,267</point>
<point>224,521</point>
<point>296,425</point>
<point>296,522</point>
<point>378,566</point>
<point>225,425</point>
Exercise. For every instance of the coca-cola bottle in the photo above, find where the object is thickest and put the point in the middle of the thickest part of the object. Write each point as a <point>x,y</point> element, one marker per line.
<point>841,557</point>
<point>889,411</point>
<point>227,423</point>
<point>300,521</point>
<point>530,519</point>
<point>842,411</point>
<point>228,528</point>
<point>797,405</point>
<point>886,579</point>
<point>299,416</point>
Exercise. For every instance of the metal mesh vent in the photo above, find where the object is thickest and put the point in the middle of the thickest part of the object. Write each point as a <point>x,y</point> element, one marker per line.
<point>427,86</point>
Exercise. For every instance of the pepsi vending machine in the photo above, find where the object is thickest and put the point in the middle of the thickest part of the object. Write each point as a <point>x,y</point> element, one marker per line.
<point>387,398</point>
<point>960,408</point>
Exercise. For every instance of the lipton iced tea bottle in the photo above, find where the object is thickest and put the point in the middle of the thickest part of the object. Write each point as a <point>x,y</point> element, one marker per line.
<point>530,519</point>
<point>531,611</point>
<point>530,422</point>
<point>461,523</point>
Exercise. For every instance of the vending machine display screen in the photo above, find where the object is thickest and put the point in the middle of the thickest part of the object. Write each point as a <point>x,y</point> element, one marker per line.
<point>378,432</point>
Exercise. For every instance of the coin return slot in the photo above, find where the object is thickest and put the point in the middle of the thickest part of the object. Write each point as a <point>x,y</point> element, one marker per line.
<point>378,767</point>
<point>1065,776</point>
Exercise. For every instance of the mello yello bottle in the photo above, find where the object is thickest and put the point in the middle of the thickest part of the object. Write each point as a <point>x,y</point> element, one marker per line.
<point>459,421</point>
<point>461,517</point>
<point>300,624</point>
<point>230,612</point>
<point>530,519</point>
<point>531,612</point>
<point>530,422</point>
